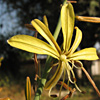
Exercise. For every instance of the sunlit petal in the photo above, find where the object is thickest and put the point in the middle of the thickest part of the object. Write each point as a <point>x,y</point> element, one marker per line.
<point>53,81</point>
<point>44,31</point>
<point>67,21</point>
<point>85,54</point>
<point>32,44</point>
<point>77,40</point>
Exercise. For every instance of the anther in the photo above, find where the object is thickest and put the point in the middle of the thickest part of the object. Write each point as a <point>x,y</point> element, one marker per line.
<point>63,57</point>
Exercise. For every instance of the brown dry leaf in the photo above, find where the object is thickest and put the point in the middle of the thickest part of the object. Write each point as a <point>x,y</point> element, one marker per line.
<point>30,27</point>
<point>67,88</point>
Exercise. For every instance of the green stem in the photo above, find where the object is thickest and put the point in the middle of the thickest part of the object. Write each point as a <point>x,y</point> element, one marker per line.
<point>58,28</point>
<point>43,79</point>
<point>47,65</point>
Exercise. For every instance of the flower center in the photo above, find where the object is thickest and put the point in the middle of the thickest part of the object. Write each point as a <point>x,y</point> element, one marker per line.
<point>63,57</point>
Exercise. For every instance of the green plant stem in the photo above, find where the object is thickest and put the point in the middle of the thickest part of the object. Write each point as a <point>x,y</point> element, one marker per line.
<point>43,79</point>
<point>58,28</point>
<point>47,65</point>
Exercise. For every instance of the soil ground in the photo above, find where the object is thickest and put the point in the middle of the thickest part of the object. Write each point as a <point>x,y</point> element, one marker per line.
<point>17,92</point>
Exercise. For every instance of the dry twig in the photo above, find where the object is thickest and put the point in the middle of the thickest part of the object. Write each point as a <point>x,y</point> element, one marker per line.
<point>91,81</point>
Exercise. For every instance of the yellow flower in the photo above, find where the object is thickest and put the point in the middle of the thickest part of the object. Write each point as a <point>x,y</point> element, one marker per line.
<point>67,56</point>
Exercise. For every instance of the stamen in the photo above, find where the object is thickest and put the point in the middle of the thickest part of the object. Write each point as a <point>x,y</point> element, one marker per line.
<point>78,88</point>
<point>54,64</point>
<point>69,76</point>
<point>68,69</point>
<point>78,64</point>
<point>68,66</point>
<point>73,76</point>
<point>72,64</point>
<point>62,84</point>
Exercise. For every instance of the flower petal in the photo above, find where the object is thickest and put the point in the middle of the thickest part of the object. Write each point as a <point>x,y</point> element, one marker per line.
<point>45,21</point>
<point>44,31</point>
<point>88,19</point>
<point>32,44</point>
<point>85,54</point>
<point>53,81</point>
<point>77,40</point>
<point>67,21</point>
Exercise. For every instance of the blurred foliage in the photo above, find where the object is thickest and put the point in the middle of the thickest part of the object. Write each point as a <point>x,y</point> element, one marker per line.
<point>29,9</point>
<point>11,56</point>
<point>1,58</point>
<point>91,31</point>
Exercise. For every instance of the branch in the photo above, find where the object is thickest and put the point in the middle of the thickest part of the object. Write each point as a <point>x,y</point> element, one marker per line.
<point>91,81</point>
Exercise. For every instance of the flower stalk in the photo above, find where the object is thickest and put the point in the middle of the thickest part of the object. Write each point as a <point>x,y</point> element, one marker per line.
<point>91,81</point>
<point>48,61</point>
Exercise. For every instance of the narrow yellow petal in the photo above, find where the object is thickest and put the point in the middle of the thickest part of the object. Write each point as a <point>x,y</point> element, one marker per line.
<point>53,81</point>
<point>67,22</point>
<point>32,44</point>
<point>85,54</point>
<point>45,21</point>
<point>44,31</point>
<point>77,40</point>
